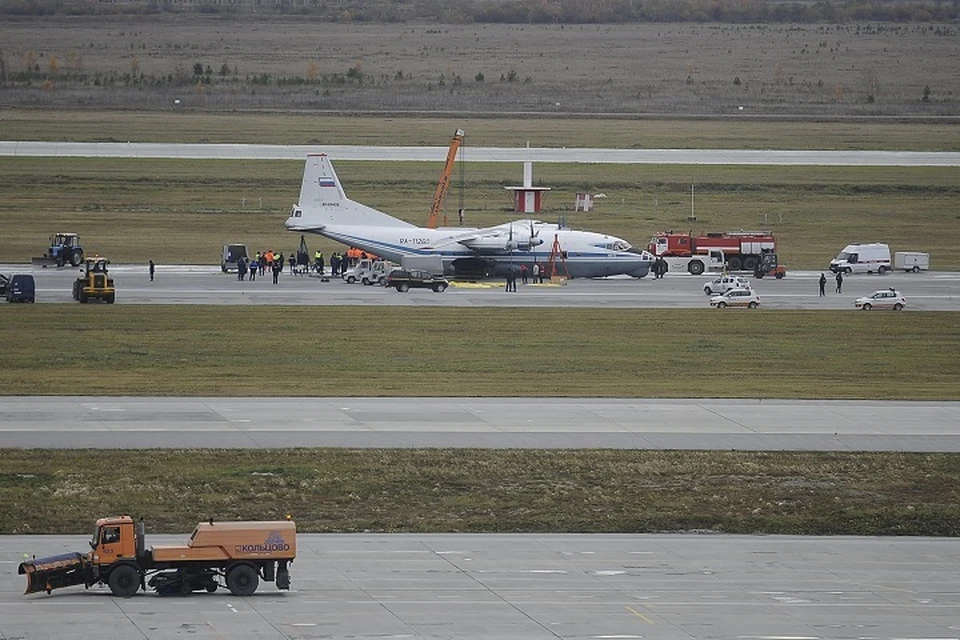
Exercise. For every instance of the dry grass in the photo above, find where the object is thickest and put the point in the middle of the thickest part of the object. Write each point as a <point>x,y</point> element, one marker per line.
<point>206,351</point>
<point>817,70</point>
<point>337,490</point>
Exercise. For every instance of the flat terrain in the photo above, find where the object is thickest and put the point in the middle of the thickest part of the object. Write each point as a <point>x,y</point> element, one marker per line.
<point>183,211</point>
<point>267,350</point>
<point>464,490</point>
<point>531,587</point>
<point>260,62</point>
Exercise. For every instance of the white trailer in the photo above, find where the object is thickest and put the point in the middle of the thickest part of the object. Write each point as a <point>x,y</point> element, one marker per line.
<point>914,261</point>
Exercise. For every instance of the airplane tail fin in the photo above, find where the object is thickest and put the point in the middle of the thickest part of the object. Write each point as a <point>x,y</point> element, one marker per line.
<point>323,201</point>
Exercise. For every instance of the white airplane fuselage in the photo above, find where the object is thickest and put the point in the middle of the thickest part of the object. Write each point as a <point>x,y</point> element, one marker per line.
<point>324,209</point>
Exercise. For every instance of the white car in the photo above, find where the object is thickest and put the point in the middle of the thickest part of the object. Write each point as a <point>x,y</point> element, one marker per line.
<point>736,298</point>
<point>724,284</point>
<point>883,299</point>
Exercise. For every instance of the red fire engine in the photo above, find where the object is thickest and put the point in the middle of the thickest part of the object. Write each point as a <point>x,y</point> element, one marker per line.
<point>741,249</point>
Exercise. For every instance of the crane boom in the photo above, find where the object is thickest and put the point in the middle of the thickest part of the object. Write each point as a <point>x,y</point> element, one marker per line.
<point>444,182</point>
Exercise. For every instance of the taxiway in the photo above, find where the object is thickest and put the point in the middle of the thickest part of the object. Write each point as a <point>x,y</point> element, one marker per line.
<point>197,284</point>
<point>531,587</point>
<point>495,423</point>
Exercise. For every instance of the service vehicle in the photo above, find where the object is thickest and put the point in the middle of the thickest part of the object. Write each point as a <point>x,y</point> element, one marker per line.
<point>769,265</point>
<point>21,288</point>
<point>695,265</point>
<point>369,272</point>
<point>230,256</point>
<point>741,249</point>
<point>914,261</point>
<point>238,554</point>
<point>725,283</point>
<point>95,283</point>
<point>430,263</point>
<point>736,298</point>
<point>404,280</point>
<point>64,249</point>
<point>882,299</point>
<point>872,257</point>
<point>4,281</point>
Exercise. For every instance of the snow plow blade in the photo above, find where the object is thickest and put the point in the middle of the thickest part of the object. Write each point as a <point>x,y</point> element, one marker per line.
<point>44,262</point>
<point>54,572</point>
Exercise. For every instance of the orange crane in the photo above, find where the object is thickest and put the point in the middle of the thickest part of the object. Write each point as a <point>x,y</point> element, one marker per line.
<point>444,182</point>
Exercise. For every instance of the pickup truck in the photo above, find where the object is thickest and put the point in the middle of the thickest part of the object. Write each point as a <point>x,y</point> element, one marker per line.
<point>405,279</point>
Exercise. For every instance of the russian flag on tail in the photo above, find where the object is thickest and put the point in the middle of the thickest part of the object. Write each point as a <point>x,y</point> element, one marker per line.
<point>326,182</point>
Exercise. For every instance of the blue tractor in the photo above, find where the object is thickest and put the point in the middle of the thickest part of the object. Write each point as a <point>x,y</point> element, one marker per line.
<point>64,249</point>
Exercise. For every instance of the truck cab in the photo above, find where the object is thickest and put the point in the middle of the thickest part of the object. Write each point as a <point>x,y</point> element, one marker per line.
<point>113,539</point>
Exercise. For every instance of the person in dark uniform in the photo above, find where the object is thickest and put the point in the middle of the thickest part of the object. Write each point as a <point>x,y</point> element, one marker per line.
<point>823,285</point>
<point>153,268</point>
<point>839,282</point>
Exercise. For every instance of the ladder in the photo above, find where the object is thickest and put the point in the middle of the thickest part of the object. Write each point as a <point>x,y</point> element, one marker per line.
<point>555,253</point>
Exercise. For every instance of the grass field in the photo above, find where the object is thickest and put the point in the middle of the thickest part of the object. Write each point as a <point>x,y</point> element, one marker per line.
<point>176,211</point>
<point>630,132</point>
<point>328,351</point>
<point>287,64</point>
<point>341,490</point>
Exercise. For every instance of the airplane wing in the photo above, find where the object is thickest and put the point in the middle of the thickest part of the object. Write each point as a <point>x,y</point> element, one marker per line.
<point>520,235</point>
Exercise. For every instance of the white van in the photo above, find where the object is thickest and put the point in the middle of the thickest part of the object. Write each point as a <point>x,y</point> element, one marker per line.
<point>862,258</point>
<point>915,261</point>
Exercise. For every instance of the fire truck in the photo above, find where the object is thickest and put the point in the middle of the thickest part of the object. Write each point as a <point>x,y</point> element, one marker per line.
<point>741,249</point>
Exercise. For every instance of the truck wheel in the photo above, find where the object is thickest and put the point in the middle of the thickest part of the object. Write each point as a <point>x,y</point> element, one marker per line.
<point>749,263</point>
<point>110,298</point>
<point>351,279</point>
<point>124,581</point>
<point>882,269</point>
<point>708,291</point>
<point>440,288</point>
<point>76,257</point>
<point>734,263</point>
<point>916,268</point>
<point>366,281</point>
<point>898,307</point>
<point>695,267</point>
<point>848,270</point>
<point>780,275</point>
<point>83,296</point>
<point>242,580</point>
<point>403,288</point>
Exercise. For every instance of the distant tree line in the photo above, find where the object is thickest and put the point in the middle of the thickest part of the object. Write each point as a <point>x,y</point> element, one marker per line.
<point>521,11</point>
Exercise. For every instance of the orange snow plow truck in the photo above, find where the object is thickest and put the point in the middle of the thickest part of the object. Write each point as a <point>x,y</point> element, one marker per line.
<point>239,553</point>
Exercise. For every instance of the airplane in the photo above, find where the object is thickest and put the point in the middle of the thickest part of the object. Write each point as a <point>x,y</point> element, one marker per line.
<point>325,209</point>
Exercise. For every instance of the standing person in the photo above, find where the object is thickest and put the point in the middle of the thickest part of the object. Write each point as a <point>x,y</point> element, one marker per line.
<point>293,264</point>
<point>535,272</point>
<point>153,268</point>
<point>506,286</point>
<point>254,266</point>
<point>241,269</point>
<point>839,282</point>
<point>523,273</point>
<point>277,268</point>
<point>823,285</point>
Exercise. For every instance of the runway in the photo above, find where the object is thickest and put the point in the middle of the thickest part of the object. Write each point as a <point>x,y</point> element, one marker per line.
<point>63,422</point>
<point>532,587</point>
<point>197,284</point>
<point>482,154</point>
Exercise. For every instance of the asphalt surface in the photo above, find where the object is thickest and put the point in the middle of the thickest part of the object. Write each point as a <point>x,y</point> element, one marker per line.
<point>483,154</point>
<point>669,587</point>
<point>533,423</point>
<point>186,284</point>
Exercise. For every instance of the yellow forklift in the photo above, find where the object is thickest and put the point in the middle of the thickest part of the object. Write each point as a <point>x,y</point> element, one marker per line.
<point>95,283</point>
